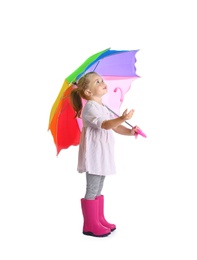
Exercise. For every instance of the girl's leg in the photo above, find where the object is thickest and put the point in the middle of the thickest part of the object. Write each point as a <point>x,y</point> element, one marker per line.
<point>100,185</point>
<point>90,208</point>
<point>94,185</point>
<point>100,199</point>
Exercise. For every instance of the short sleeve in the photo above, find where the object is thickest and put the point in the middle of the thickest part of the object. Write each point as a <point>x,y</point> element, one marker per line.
<point>94,114</point>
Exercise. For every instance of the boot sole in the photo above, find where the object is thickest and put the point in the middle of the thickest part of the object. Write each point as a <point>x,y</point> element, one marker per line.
<point>93,235</point>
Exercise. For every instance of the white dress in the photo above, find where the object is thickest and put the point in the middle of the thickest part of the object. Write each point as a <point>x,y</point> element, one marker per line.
<point>96,148</point>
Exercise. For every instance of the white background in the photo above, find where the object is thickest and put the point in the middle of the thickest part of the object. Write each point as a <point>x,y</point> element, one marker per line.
<point>152,199</point>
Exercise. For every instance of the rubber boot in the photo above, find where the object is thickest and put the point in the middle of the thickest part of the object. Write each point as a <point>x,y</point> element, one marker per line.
<point>102,219</point>
<point>92,226</point>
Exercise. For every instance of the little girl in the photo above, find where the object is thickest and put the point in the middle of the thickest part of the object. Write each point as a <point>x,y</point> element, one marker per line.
<point>96,148</point>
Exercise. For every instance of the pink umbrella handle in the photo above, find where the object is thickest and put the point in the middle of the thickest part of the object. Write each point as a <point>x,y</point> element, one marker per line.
<point>139,131</point>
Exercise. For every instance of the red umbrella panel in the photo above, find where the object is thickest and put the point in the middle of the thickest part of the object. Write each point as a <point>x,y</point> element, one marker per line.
<point>64,127</point>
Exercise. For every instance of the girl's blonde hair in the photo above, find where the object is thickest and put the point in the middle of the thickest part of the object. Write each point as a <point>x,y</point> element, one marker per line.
<point>78,93</point>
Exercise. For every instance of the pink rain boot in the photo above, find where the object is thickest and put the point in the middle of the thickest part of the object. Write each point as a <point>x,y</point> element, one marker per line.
<point>92,226</point>
<point>101,214</point>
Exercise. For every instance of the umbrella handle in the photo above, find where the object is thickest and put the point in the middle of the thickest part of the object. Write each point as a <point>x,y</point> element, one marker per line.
<point>139,131</point>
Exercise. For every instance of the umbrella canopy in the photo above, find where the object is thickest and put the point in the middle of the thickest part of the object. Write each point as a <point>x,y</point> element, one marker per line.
<point>117,68</point>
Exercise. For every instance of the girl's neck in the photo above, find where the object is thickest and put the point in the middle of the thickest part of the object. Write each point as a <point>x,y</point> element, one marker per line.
<point>96,99</point>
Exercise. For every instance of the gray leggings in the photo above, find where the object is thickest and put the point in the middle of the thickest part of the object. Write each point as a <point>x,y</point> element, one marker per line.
<point>94,185</point>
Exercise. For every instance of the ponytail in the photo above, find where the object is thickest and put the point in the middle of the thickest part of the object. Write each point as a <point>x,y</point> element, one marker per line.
<point>76,102</point>
<point>78,92</point>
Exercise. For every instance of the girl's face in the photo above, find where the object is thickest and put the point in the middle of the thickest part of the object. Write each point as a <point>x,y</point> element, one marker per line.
<point>97,87</point>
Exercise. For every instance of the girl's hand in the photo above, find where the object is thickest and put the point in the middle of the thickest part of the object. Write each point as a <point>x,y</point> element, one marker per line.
<point>127,115</point>
<point>134,130</point>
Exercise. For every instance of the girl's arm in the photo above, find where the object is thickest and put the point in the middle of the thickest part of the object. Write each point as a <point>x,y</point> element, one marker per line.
<point>123,130</point>
<point>114,123</point>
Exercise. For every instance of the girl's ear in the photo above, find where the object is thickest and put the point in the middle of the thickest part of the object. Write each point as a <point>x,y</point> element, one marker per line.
<point>87,92</point>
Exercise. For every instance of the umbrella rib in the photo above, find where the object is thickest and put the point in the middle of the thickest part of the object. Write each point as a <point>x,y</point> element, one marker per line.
<point>117,115</point>
<point>96,65</point>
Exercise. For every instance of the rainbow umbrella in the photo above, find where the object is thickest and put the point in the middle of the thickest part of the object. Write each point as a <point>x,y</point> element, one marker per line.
<point>117,68</point>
